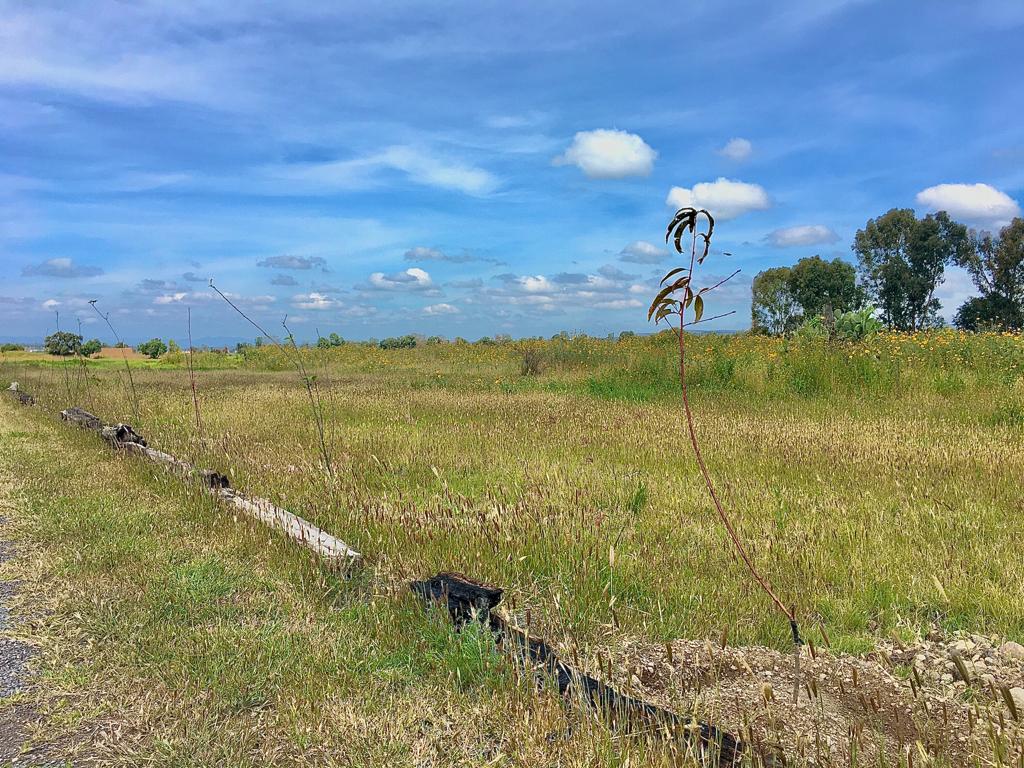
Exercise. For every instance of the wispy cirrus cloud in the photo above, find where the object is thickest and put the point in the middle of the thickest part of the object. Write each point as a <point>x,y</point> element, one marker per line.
<point>418,166</point>
<point>60,267</point>
<point>805,235</point>
<point>293,262</point>
<point>421,253</point>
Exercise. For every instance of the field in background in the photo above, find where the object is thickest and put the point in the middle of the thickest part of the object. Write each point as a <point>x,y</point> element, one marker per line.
<point>877,485</point>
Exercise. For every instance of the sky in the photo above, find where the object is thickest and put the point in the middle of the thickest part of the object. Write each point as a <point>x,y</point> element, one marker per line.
<point>474,168</point>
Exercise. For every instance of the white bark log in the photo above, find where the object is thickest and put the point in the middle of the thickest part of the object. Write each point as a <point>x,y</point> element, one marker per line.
<point>305,533</point>
<point>330,548</point>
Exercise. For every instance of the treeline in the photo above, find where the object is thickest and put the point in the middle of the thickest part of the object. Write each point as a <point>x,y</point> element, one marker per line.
<point>901,260</point>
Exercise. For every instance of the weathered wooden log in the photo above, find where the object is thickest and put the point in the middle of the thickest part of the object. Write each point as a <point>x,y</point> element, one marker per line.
<point>466,599</point>
<point>23,397</point>
<point>206,477</point>
<point>82,418</point>
<point>121,434</point>
<point>330,548</point>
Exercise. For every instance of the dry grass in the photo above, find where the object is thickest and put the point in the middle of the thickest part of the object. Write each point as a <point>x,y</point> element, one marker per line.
<point>882,507</point>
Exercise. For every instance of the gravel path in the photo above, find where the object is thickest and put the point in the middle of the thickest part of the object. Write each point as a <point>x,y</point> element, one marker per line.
<point>16,717</point>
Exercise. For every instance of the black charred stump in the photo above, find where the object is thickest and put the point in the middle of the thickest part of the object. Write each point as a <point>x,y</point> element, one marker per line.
<point>121,434</point>
<point>469,600</point>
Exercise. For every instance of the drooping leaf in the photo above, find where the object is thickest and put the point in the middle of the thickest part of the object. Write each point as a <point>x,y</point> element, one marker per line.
<point>675,271</point>
<point>698,308</point>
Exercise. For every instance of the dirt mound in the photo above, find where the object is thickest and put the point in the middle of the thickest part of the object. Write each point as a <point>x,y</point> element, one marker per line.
<point>900,705</point>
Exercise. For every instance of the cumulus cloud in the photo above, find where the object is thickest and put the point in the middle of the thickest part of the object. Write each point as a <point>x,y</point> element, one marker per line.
<point>51,304</point>
<point>192,277</point>
<point>171,298</point>
<point>807,234</point>
<point>441,309</point>
<point>285,280</point>
<point>609,154</point>
<point>60,267</point>
<point>610,289</point>
<point>642,252</point>
<point>293,262</point>
<point>412,279</point>
<point>313,300</point>
<point>976,203</point>
<point>724,198</point>
<point>737,149</point>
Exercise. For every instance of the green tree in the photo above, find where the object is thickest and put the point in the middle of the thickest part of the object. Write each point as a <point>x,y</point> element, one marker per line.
<point>63,343</point>
<point>91,347</point>
<point>172,346</point>
<point>996,266</point>
<point>901,259</point>
<point>824,287</point>
<point>152,348</point>
<point>773,310</point>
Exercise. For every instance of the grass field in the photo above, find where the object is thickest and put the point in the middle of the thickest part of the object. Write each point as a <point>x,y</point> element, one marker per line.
<point>860,476</point>
<point>878,487</point>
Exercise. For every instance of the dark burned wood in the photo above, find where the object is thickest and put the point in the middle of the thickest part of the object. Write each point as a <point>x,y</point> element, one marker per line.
<point>82,418</point>
<point>122,434</point>
<point>467,599</point>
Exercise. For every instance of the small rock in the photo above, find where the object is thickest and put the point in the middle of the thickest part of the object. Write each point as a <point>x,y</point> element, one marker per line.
<point>1018,698</point>
<point>1012,650</point>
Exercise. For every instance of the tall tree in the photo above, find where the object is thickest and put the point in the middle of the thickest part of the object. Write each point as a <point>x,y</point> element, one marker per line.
<point>996,265</point>
<point>821,287</point>
<point>773,310</point>
<point>901,259</point>
<point>63,343</point>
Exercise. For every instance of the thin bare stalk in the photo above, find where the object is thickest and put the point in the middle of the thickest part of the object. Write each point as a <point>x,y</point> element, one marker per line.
<point>133,395</point>
<point>314,398</point>
<point>64,367</point>
<point>192,376</point>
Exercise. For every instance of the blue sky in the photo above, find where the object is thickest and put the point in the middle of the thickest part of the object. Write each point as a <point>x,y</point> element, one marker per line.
<point>474,168</point>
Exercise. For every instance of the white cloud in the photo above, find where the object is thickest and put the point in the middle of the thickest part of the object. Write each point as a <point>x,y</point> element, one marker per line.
<point>412,279</point>
<point>420,167</point>
<point>724,198</point>
<point>51,304</point>
<point>808,234</point>
<point>313,300</point>
<point>977,203</point>
<point>60,267</point>
<point>609,154</point>
<point>642,252</point>
<point>170,298</point>
<point>536,284</point>
<point>737,149</point>
<point>619,304</point>
<point>441,309</point>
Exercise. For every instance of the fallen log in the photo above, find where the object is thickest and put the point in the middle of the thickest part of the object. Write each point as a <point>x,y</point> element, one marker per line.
<point>468,600</point>
<point>294,527</point>
<point>121,436</point>
<point>23,397</point>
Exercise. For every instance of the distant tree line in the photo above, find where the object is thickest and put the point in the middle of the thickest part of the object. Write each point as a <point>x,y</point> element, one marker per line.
<point>900,262</point>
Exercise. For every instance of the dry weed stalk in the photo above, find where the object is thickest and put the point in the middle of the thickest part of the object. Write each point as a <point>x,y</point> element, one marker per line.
<point>312,390</point>
<point>134,397</point>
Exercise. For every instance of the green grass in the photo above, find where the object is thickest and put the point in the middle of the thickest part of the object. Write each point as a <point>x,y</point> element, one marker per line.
<point>206,642</point>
